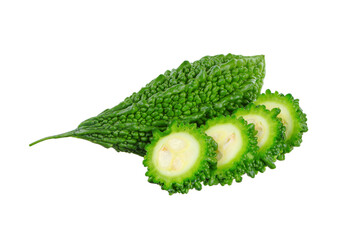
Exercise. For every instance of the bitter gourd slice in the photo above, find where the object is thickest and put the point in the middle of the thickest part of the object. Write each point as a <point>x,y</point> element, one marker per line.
<point>292,117</point>
<point>180,158</point>
<point>237,147</point>
<point>192,93</point>
<point>270,133</point>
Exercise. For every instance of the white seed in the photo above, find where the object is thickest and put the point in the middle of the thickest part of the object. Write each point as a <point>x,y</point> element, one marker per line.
<point>229,140</point>
<point>176,144</point>
<point>164,158</point>
<point>177,163</point>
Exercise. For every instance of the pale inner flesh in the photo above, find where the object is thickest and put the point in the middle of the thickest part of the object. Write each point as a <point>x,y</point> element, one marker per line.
<point>176,153</point>
<point>284,115</point>
<point>261,126</point>
<point>229,140</point>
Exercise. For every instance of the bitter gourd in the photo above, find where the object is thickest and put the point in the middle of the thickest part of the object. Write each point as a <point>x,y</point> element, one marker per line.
<point>180,158</point>
<point>292,117</point>
<point>237,148</point>
<point>192,93</point>
<point>270,133</point>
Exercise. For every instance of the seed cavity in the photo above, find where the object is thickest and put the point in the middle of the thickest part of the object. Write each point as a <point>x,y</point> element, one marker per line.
<point>261,126</point>
<point>285,115</point>
<point>176,153</point>
<point>176,144</point>
<point>165,157</point>
<point>177,163</point>
<point>229,140</point>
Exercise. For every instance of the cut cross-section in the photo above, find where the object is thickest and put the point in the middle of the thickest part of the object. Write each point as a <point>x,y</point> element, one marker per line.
<point>176,153</point>
<point>261,126</point>
<point>237,146</point>
<point>229,140</point>
<point>291,114</point>
<point>180,158</point>
<point>270,133</point>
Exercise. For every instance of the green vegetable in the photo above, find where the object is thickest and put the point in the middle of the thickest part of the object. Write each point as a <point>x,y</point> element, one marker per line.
<point>291,115</point>
<point>237,148</point>
<point>192,93</point>
<point>270,133</point>
<point>180,158</point>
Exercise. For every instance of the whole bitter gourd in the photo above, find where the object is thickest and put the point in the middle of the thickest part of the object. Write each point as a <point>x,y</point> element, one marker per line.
<point>237,148</point>
<point>270,133</point>
<point>180,158</point>
<point>192,93</point>
<point>292,117</point>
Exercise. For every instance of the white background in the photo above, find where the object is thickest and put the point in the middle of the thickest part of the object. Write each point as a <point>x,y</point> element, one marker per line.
<point>62,62</point>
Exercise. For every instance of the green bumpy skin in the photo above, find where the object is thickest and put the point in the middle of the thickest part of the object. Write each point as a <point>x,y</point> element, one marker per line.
<point>240,162</point>
<point>292,117</point>
<point>192,93</point>
<point>270,134</point>
<point>165,173</point>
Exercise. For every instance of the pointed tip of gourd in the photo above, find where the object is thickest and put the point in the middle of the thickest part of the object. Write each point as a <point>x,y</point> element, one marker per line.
<point>63,135</point>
